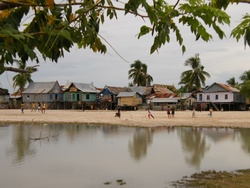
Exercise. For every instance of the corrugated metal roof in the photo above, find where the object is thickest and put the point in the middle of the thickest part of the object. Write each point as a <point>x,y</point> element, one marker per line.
<point>126,94</point>
<point>224,86</point>
<point>228,87</point>
<point>117,90</point>
<point>39,87</point>
<point>143,90</point>
<point>86,88</point>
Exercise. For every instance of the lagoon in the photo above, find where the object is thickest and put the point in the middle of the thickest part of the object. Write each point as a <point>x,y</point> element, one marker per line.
<point>90,156</point>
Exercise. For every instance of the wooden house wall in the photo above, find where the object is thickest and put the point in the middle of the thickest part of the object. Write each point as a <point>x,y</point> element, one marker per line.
<point>79,96</point>
<point>41,97</point>
<point>4,98</point>
<point>129,101</point>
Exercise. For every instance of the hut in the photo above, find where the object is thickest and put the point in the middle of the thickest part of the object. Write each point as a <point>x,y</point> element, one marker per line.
<point>129,100</point>
<point>80,96</point>
<point>49,93</point>
<point>4,98</point>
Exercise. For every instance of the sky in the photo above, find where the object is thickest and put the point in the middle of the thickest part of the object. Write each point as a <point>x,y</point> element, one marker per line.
<point>222,59</point>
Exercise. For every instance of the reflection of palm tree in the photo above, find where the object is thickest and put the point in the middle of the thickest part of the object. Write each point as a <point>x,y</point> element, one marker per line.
<point>194,144</point>
<point>138,148</point>
<point>245,139</point>
<point>21,147</point>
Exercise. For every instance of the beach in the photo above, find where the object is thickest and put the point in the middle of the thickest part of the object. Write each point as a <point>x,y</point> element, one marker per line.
<point>233,119</point>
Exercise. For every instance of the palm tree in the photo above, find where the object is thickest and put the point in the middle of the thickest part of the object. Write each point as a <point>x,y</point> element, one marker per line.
<point>245,76</point>
<point>245,86</point>
<point>22,78</point>
<point>232,82</point>
<point>195,78</point>
<point>138,72</point>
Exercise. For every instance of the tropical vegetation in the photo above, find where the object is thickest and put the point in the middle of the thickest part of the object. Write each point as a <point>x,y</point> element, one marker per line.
<point>47,28</point>
<point>138,73</point>
<point>24,77</point>
<point>194,78</point>
<point>245,86</point>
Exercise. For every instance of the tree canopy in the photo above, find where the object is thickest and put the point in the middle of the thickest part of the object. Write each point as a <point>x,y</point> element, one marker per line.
<point>194,78</point>
<point>139,73</point>
<point>31,30</point>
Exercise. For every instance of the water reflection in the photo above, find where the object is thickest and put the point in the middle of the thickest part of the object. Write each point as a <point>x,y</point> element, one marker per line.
<point>245,138</point>
<point>194,144</point>
<point>142,138</point>
<point>21,147</point>
<point>91,155</point>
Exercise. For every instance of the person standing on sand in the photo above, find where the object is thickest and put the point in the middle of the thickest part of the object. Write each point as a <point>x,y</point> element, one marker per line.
<point>168,112</point>
<point>193,114</point>
<point>43,108</point>
<point>33,107</point>
<point>22,108</point>
<point>150,114</point>
<point>210,112</point>
<point>172,111</point>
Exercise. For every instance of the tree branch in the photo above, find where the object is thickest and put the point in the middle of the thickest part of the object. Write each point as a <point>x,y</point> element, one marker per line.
<point>12,69</point>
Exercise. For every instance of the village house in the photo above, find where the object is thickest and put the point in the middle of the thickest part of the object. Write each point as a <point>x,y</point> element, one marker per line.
<point>129,99</point>
<point>80,95</point>
<point>221,97</point>
<point>107,98</point>
<point>4,98</point>
<point>49,93</point>
<point>162,97</point>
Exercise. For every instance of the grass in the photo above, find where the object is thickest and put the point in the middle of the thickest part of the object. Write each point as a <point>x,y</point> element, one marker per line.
<point>214,179</point>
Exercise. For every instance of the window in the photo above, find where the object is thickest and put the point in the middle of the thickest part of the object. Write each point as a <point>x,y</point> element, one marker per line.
<point>226,96</point>
<point>216,97</point>
<point>87,96</point>
<point>200,97</point>
<point>208,97</point>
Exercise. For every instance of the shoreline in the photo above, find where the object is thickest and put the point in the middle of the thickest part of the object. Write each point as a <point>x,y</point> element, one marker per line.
<point>229,119</point>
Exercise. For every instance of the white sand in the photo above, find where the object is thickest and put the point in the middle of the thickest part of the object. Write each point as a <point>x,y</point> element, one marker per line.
<point>128,118</point>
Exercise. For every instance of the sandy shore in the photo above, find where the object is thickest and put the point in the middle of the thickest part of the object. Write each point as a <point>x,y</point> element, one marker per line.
<point>128,118</point>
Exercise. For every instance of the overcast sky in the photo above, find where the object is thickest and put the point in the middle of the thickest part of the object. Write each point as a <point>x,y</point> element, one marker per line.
<point>223,59</point>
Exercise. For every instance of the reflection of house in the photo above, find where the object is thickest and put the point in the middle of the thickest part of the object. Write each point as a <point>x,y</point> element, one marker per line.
<point>4,98</point>
<point>221,96</point>
<point>43,92</point>
<point>80,95</point>
<point>108,96</point>
<point>129,99</point>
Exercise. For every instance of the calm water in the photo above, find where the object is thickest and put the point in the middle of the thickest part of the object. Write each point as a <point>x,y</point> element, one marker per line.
<point>74,156</point>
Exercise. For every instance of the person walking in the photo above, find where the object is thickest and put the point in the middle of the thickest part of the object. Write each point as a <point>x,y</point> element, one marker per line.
<point>150,114</point>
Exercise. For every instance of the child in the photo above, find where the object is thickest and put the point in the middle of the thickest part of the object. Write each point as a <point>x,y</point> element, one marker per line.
<point>150,114</point>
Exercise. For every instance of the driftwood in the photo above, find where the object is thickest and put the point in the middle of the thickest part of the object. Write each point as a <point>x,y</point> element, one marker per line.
<point>42,138</point>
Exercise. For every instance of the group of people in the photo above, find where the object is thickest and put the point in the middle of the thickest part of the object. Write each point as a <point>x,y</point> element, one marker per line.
<point>40,107</point>
<point>210,112</point>
<point>170,112</point>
